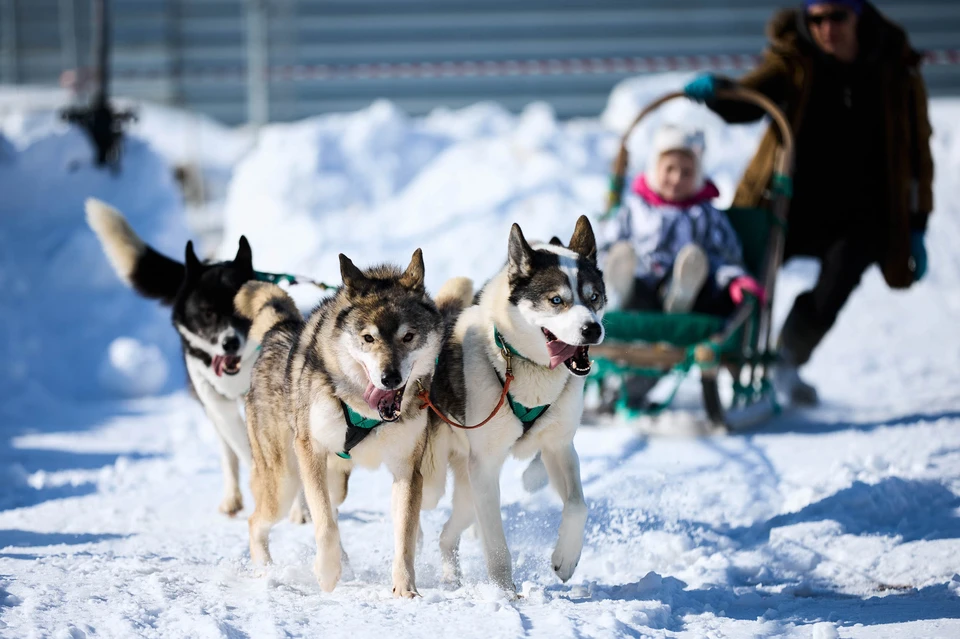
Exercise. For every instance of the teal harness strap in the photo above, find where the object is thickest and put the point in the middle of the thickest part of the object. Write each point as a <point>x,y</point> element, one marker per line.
<point>276,278</point>
<point>527,416</point>
<point>358,427</point>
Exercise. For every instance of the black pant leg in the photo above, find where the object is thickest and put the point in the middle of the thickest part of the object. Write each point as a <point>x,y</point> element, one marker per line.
<point>814,312</point>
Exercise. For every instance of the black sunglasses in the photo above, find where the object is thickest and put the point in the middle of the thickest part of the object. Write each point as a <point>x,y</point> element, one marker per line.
<point>837,17</point>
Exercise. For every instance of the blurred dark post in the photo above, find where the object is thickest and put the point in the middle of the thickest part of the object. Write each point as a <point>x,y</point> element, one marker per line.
<point>98,119</point>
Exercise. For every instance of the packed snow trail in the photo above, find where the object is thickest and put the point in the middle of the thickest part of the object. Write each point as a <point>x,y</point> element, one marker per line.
<point>114,532</point>
<point>843,521</point>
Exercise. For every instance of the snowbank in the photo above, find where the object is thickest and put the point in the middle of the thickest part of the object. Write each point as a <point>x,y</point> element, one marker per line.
<point>376,184</point>
<point>61,306</point>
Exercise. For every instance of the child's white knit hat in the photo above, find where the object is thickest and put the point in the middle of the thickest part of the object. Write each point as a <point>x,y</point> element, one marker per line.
<point>673,137</point>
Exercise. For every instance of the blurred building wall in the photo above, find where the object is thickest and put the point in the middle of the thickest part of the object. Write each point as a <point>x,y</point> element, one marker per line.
<point>316,56</point>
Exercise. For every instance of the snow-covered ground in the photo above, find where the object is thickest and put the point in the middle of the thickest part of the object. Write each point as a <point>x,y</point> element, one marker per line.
<point>842,521</point>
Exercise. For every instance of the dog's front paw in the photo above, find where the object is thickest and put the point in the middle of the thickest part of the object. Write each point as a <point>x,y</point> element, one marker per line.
<point>450,584</point>
<point>260,556</point>
<point>452,576</point>
<point>507,586</point>
<point>535,476</point>
<point>298,514</point>
<point>566,555</point>
<point>346,571</point>
<point>564,565</point>
<point>231,505</point>
<point>405,590</point>
<point>327,569</point>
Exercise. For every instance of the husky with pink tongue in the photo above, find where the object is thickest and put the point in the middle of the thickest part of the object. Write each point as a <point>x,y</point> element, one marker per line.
<point>537,318</point>
<point>332,392</point>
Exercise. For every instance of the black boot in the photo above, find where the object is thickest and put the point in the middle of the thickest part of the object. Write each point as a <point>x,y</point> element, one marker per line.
<point>797,340</point>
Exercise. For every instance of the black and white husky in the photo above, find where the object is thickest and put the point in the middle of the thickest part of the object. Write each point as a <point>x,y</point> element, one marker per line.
<point>537,318</point>
<point>218,355</point>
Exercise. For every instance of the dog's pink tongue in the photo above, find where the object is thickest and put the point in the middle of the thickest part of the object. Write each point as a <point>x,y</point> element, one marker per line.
<point>560,352</point>
<point>373,396</point>
<point>218,363</point>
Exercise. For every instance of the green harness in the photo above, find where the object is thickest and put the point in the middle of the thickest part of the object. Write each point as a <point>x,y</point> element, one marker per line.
<point>527,416</point>
<point>358,427</point>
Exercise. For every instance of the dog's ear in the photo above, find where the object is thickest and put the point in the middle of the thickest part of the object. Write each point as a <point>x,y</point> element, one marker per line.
<point>193,265</point>
<point>412,278</point>
<point>244,257</point>
<point>353,278</point>
<point>583,243</point>
<point>556,241</point>
<point>519,253</point>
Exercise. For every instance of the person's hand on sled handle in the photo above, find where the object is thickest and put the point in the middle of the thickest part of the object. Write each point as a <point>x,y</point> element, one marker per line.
<point>918,251</point>
<point>746,285</point>
<point>704,87</point>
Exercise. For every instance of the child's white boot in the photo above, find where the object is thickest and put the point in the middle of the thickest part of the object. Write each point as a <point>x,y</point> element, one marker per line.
<point>690,271</point>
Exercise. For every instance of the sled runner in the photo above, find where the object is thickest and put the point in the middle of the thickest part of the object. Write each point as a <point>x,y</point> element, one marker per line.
<point>658,344</point>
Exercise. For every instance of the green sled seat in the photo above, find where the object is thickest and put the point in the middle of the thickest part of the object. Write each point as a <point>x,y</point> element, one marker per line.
<point>652,343</point>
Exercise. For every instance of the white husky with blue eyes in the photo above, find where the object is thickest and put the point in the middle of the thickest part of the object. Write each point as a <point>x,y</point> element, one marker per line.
<point>539,315</point>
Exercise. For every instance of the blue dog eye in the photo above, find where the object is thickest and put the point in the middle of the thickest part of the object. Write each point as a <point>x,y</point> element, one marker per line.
<point>556,300</point>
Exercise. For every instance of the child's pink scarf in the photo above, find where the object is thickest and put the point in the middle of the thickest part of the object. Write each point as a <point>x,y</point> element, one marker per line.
<point>705,194</point>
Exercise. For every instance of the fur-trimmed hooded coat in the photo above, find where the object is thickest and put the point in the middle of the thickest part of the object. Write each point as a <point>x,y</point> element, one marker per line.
<point>882,150</point>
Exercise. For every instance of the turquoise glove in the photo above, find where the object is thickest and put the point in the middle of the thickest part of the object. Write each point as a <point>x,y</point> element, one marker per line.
<point>919,254</point>
<point>702,88</point>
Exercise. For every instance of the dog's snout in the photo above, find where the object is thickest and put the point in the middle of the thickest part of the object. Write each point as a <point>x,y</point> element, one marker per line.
<point>390,379</point>
<point>231,345</point>
<point>590,332</point>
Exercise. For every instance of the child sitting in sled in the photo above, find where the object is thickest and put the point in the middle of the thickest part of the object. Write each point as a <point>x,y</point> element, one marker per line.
<point>669,248</point>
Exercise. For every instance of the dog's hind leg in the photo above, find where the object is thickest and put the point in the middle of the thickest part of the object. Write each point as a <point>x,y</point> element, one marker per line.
<point>300,513</point>
<point>234,442</point>
<point>485,482</point>
<point>232,499</point>
<point>233,429</point>
<point>274,481</point>
<point>535,476</point>
<point>313,472</point>
<point>461,517</point>
<point>339,476</point>
<point>563,467</point>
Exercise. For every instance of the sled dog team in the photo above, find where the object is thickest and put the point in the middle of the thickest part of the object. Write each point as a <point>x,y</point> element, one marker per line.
<point>381,373</point>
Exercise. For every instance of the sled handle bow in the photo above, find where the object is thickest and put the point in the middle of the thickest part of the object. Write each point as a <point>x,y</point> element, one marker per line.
<point>782,166</point>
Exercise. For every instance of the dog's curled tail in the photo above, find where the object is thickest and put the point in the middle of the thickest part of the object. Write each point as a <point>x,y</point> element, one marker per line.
<point>150,273</point>
<point>265,305</point>
<point>455,295</point>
